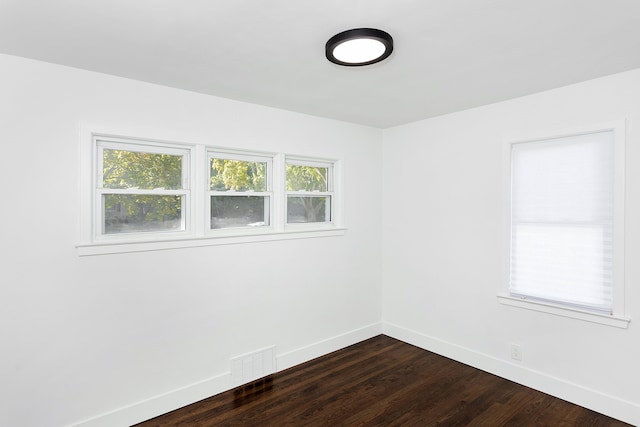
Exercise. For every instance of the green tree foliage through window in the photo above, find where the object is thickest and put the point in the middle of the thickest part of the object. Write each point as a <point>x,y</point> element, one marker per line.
<point>132,169</point>
<point>238,175</point>
<point>306,178</point>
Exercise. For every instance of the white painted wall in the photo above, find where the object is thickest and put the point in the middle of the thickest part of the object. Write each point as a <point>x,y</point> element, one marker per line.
<point>444,258</point>
<point>84,336</point>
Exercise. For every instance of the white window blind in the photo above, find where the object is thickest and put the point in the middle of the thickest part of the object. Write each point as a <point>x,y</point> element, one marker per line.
<point>562,221</point>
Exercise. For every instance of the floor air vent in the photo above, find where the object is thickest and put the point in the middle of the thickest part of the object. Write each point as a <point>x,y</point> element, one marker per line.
<point>252,366</point>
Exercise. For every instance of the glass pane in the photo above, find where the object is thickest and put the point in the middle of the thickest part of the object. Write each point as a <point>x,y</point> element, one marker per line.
<point>239,211</point>
<point>308,209</point>
<point>134,213</point>
<point>238,175</point>
<point>132,169</point>
<point>307,178</point>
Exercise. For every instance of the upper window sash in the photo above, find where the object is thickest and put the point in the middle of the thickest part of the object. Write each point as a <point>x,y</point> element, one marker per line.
<point>329,166</point>
<point>267,183</point>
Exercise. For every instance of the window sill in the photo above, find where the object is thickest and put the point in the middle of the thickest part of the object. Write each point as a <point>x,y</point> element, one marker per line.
<point>105,248</point>
<point>603,319</point>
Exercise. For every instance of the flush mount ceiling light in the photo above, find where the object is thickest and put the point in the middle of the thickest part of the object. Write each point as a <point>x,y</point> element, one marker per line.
<point>360,46</point>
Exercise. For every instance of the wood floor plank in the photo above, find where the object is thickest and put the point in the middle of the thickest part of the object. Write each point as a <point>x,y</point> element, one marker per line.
<point>382,382</point>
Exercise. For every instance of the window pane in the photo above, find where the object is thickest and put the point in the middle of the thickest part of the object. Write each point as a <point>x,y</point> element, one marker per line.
<point>133,213</point>
<point>239,211</point>
<point>132,169</point>
<point>238,175</point>
<point>301,209</point>
<point>307,178</point>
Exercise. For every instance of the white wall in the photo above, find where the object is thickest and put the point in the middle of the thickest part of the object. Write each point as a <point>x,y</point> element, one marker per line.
<point>84,336</point>
<point>444,257</point>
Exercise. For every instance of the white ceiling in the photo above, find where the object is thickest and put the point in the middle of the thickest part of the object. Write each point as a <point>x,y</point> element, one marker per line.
<point>449,55</point>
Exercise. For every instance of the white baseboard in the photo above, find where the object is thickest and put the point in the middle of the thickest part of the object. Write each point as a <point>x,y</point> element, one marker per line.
<point>304,354</point>
<point>158,405</point>
<point>603,403</point>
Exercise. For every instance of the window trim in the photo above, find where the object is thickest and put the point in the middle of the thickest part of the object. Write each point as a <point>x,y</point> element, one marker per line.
<point>196,234</point>
<point>618,318</point>
<point>565,311</point>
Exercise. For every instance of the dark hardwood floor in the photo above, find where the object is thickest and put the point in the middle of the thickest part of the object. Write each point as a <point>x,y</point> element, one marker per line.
<point>382,382</point>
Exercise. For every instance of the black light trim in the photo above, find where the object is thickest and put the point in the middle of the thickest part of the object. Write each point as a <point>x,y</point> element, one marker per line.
<point>359,33</point>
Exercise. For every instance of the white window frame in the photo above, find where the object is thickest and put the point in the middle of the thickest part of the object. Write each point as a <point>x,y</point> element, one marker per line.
<point>269,204</point>
<point>330,193</point>
<point>196,212</point>
<point>618,317</point>
<point>102,143</point>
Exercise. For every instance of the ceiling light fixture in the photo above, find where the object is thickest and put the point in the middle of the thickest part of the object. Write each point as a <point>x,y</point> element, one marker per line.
<point>360,46</point>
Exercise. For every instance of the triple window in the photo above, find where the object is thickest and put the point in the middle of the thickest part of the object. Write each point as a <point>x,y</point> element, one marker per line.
<point>147,190</point>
